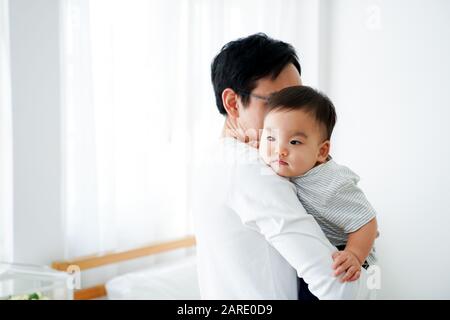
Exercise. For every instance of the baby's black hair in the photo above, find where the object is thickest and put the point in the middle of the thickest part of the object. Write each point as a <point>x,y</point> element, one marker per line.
<point>307,99</point>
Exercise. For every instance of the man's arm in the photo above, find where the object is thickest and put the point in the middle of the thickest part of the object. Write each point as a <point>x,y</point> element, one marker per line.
<point>268,204</point>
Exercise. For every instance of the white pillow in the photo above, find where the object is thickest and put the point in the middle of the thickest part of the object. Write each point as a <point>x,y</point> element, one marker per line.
<point>176,280</point>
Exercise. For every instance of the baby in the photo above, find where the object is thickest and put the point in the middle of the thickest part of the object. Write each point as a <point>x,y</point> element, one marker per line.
<point>295,143</point>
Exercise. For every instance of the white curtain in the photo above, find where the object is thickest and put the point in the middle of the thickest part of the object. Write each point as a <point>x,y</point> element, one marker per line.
<point>139,106</point>
<point>6,163</point>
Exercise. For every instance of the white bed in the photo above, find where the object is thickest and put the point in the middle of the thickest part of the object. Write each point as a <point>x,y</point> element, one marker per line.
<point>170,281</point>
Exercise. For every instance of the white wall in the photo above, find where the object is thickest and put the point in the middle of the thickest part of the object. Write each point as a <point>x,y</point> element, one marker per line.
<point>390,80</point>
<point>6,159</point>
<point>34,27</point>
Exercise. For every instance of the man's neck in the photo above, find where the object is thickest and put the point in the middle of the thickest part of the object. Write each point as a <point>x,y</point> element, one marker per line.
<point>232,129</point>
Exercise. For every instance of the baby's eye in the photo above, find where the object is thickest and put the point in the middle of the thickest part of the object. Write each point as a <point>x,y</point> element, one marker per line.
<point>295,142</point>
<point>270,138</point>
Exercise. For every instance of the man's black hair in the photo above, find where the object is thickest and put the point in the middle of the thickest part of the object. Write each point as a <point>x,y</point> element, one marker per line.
<point>242,62</point>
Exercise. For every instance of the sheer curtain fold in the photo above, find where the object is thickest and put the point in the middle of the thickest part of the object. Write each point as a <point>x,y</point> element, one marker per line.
<point>6,155</point>
<point>139,108</point>
<point>126,148</point>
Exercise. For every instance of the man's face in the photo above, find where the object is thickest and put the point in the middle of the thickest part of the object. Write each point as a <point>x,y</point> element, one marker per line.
<point>251,117</point>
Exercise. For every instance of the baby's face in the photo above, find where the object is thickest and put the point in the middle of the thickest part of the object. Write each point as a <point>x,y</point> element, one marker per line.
<point>292,142</point>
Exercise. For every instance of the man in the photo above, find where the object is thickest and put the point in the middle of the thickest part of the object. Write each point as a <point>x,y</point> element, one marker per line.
<point>253,235</point>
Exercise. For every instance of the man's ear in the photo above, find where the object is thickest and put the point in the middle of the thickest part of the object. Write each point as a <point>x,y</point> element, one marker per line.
<point>230,102</point>
<point>324,151</point>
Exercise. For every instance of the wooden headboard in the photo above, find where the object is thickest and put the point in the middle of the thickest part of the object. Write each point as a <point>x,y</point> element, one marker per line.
<point>115,257</point>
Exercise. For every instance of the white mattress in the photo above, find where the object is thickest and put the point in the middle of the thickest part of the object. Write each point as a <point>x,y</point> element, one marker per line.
<point>170,281</point>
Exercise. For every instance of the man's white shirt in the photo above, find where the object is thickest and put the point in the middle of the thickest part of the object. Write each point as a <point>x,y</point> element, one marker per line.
<point>254,236</point>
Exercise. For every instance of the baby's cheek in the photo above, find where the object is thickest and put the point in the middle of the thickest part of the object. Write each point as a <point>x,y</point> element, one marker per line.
<point>303,164</point>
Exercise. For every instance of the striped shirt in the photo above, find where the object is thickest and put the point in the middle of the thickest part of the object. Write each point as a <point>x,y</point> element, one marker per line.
<point>329,192</point>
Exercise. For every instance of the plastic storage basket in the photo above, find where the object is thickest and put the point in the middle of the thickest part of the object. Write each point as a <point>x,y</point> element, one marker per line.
<point>31,282</point>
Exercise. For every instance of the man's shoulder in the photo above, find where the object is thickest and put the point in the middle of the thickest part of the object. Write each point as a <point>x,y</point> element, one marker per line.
<point>248,168</point>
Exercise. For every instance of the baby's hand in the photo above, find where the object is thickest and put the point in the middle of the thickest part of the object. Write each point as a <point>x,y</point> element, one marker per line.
<point>346,261</point>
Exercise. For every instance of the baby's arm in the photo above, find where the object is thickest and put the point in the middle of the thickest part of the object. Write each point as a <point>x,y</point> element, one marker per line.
<point>358,247</point>
<point>361,241</point>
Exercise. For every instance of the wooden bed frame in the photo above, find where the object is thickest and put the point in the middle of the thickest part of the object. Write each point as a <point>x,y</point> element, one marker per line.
<point>111,258</point>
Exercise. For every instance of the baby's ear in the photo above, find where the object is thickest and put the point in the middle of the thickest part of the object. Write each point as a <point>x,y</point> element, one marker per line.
<point>324,151</point>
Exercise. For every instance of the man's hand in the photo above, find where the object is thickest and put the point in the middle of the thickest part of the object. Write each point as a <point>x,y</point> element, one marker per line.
<point>346,262</point>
